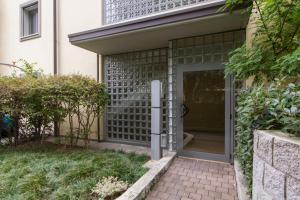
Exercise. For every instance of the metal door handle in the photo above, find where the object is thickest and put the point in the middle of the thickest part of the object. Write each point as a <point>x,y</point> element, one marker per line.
<point>184,110</point>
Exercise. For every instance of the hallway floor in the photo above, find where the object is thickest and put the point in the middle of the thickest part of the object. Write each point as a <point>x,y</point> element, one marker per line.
<point>191,179</point>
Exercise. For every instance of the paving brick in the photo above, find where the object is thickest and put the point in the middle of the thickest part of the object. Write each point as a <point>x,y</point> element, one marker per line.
<point>210,188</point>
<point>222,189</point>
<point>182,193</point>
<point>163,195</point>
<point>191,190</point>
<point>174,197</point>
<point>195,196</point>
<point>216,195</point>
<point>228,196</point>
<point>202,192</point>
<point>189,179</point>
<point>152,198</point>
<point>185,198</point>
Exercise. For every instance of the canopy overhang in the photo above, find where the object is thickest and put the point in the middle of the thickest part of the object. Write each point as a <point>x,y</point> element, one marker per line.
<point>156,31</point>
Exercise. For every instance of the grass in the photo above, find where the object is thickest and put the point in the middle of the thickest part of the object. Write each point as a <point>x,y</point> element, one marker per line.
<point>51,172</point>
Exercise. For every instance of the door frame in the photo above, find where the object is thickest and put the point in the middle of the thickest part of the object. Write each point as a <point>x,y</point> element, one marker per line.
<point>227,157</point>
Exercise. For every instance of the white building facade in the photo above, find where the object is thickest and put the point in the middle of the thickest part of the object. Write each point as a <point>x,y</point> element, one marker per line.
<point>128,43</point>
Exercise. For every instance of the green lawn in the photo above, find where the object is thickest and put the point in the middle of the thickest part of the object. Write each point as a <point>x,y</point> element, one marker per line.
<point>51,172</point>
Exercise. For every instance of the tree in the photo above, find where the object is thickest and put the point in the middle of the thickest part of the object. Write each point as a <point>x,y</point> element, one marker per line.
<point>275,50</point>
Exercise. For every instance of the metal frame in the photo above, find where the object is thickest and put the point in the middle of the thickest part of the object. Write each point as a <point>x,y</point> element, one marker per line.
<point>228,102</point>
<point>232,118</point>
<point>21,24</point>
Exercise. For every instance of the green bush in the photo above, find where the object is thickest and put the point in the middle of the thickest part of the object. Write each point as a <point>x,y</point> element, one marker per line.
<point>275,108</point>
<point>274,51</point>
<point>37,102</point>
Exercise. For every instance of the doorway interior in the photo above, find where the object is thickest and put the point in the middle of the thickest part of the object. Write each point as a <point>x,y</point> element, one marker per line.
<point>204,112</point>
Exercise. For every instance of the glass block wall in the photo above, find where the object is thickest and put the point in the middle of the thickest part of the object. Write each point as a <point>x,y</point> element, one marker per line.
<point>128,77</point>
<point>213,48</point>
<point>121,10</point>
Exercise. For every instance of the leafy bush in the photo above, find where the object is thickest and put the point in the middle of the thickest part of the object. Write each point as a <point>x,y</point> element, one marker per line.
<point>37,102</point>
<point>274,53</point>
<point>277,108</point>
<point>275,50</point>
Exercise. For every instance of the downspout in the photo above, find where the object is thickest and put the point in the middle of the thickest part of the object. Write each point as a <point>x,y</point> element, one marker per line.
<point>98,120</point>
<point>98,70</point>
<point>55,70</point>
<point>55,65</point>
<point>98,80</point>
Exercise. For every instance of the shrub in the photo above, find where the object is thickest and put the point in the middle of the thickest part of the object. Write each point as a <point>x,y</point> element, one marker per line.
<point>36,103</point>
<point>12,100</point>
<point>277,108</point>
<point>275,51</point>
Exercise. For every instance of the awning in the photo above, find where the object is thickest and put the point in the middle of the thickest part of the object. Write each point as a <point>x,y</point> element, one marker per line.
<point>155,31</point>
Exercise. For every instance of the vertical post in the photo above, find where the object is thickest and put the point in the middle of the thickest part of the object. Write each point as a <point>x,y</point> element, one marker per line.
<point>156,120</point>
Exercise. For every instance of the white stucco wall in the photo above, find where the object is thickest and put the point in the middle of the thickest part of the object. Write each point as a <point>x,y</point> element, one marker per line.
<point>38,50</point>
<point>77,16</point>
<point>73,16</point>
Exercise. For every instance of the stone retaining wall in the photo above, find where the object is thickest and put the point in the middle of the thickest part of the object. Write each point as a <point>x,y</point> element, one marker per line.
<point>276,166</point>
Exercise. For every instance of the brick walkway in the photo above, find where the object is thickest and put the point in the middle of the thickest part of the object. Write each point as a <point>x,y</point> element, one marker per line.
<point>196,180</point>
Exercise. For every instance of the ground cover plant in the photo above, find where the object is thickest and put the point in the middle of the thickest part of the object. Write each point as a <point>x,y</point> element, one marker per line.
<point>53,172</point>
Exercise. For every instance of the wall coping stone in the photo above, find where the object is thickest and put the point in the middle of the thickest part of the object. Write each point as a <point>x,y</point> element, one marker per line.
<point>280,135</point>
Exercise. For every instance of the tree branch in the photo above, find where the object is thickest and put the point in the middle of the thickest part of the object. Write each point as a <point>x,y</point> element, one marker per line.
<point>265,27</point>
<point>291,40</point>
<point>283,22</point>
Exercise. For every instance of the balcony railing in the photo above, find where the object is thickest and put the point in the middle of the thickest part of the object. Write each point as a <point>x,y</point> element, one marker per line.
<point>121,10</point>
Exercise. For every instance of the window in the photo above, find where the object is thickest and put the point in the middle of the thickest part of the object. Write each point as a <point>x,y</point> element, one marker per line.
<point>30,20</point>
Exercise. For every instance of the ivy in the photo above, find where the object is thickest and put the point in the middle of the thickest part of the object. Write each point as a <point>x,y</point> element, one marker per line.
<point>277,107</point>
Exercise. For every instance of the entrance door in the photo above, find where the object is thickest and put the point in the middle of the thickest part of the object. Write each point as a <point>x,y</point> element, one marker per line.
<point>204,112</point>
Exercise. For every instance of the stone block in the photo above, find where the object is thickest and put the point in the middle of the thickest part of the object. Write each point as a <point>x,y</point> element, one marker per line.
<point>274,182</point>
<point>255,141</point>
<point>292,188</point>
<point>286,157</point>
<point>258,173</point>
<point>264,146</point>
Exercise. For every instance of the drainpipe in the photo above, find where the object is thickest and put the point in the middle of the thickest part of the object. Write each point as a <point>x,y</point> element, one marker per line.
<point>98,80</point>
<point>55,65</point>
<point>55,70</point>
